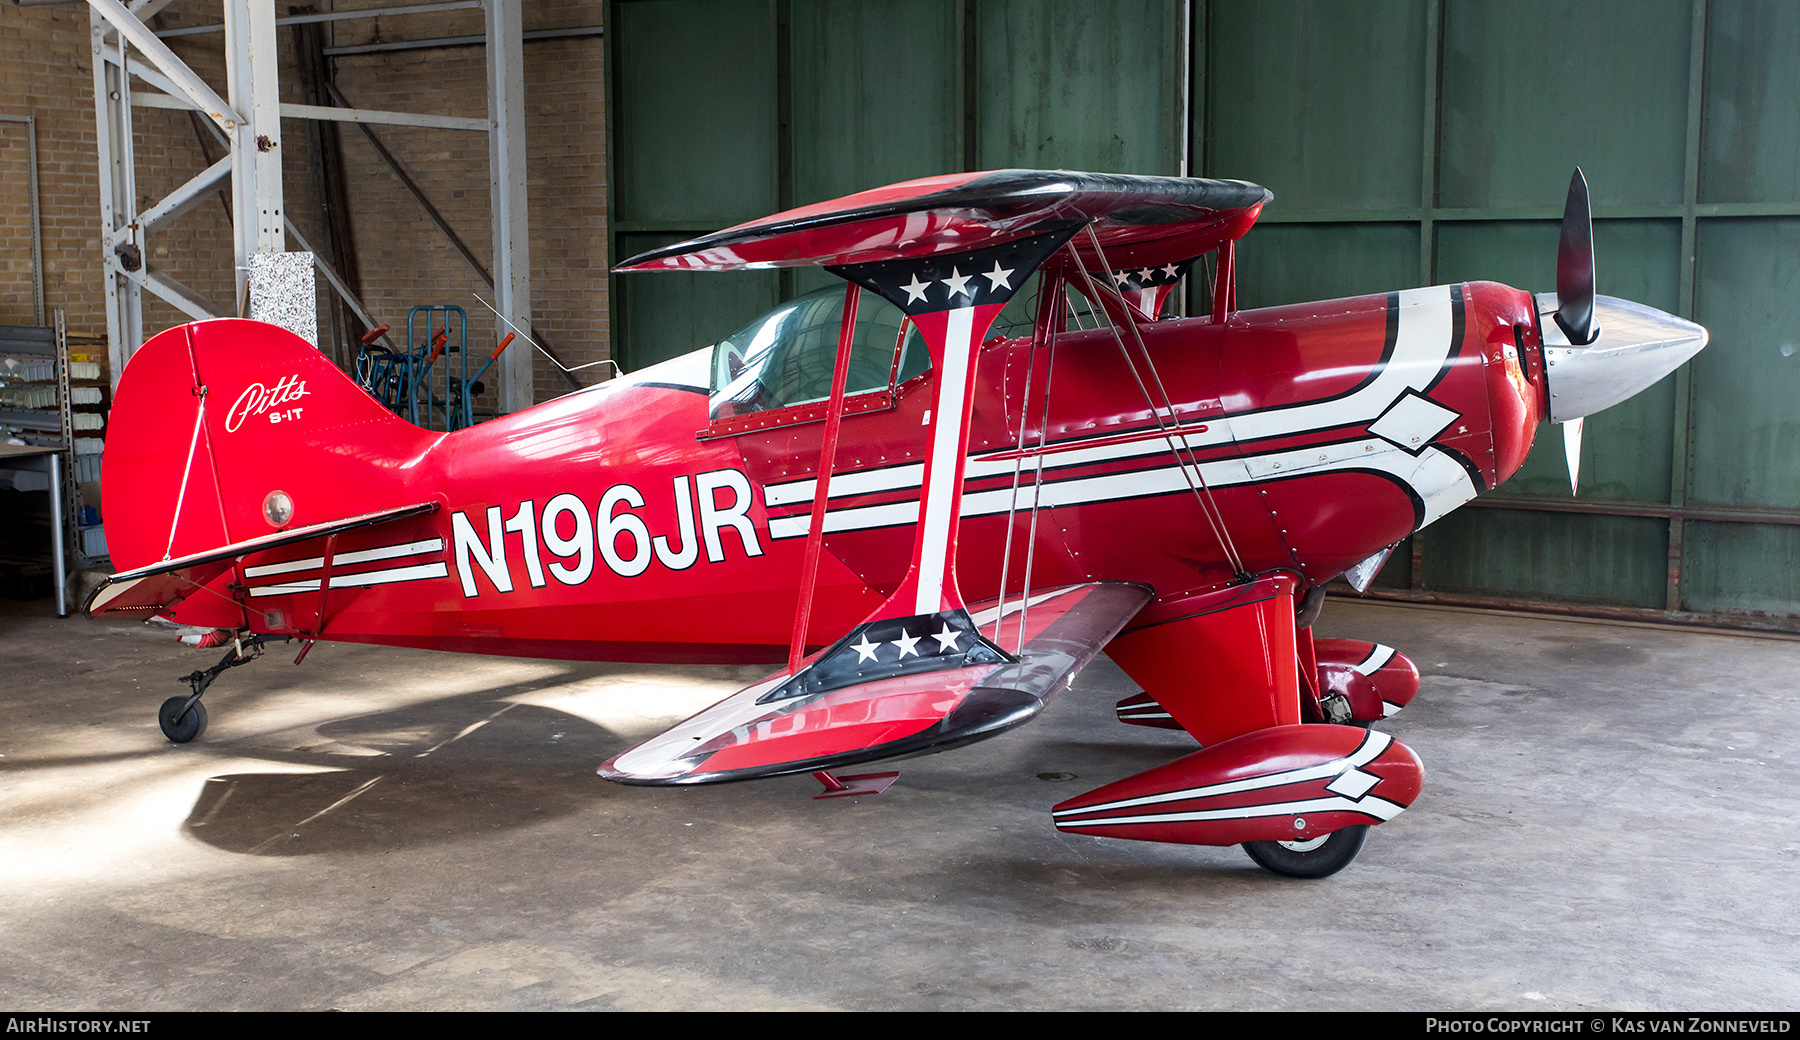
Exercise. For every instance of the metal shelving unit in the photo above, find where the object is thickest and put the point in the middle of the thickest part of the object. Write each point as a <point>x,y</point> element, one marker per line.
<point>50,400</point>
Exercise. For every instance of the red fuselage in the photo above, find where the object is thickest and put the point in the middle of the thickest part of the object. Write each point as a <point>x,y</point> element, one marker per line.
<point>616,524</point>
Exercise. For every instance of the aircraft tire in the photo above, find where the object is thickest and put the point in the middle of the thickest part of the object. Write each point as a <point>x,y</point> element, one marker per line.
<point>1321,857</point>
<point>191,725</point>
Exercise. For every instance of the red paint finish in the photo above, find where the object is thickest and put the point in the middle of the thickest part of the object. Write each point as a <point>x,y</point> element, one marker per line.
<point>1377,680</point>
<point>1286,783</point>
<point>1228,669</point>
<point>662,575</point>
<point>1504,329</point>
<point>847,720</point>
<point>1187,482</point>
<point>656,575</point>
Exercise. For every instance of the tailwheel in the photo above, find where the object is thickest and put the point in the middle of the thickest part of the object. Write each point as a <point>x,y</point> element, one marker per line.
<point>184,718</point>
<point>1313,858</point>
<point>178,725</point>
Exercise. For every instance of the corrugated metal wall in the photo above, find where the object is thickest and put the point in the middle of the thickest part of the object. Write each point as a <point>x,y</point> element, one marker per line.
<point>1407,141</point>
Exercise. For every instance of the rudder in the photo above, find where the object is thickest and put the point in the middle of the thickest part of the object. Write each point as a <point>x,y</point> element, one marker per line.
<point>211,417</point>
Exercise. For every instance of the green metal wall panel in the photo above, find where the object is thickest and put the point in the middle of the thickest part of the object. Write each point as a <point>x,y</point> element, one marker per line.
<point>1070,84</point>
<point>694,111</point>
<point>693,116</point>
<point>672,312</point>
<point>1752,145</point>
<point>1396,573</point>
<point>1322,102</point>
<point>1695,171</point>
<point>1561,556</point>
<point>1743,569</point>
<point>1292,263</point>
<point>1746,383</point>
<point>1532,88</point>
<point>876,94</point>
<point>725,110</point>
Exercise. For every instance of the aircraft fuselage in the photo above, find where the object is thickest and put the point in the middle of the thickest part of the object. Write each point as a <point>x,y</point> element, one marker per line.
<point>610,524</point>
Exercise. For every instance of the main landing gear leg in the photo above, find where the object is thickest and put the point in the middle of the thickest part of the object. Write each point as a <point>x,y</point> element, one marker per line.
<point>184,718</point>
<point>1300,798</point>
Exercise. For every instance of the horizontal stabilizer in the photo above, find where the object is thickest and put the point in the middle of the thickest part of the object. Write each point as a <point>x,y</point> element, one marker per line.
<point>813,726</point>
<point>1141,222</point>
<point>148,590</point>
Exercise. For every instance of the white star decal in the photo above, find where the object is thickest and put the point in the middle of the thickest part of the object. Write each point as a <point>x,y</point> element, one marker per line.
<point>1144,275</point>
<point>905,643</point>
<point>959,283</point>
<point>865,650</point>
<point>1168,270</point>
<point>1122,277</point>
<point>915,289</point>
<point>947,639</point>
<point>999,279</point>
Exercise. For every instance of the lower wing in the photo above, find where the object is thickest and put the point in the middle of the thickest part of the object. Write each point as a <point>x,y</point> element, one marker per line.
<point>768,729</point>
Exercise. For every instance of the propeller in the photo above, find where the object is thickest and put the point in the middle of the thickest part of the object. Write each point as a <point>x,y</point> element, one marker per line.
<point>1572,450</point>
<point>1575,296</point>
<point>1575,266</point>
<point>1585,369</point>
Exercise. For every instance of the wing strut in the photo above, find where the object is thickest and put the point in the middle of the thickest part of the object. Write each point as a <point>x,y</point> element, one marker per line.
<point>1224,296</point>
<point>924,626</point>
<point>953,309</point>
<point>815,531</point>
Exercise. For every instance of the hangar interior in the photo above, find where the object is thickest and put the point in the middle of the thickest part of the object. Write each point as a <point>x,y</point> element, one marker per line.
<point>1605,674</point>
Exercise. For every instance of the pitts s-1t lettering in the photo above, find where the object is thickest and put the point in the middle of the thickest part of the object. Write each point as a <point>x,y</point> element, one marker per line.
<point>937,492</point>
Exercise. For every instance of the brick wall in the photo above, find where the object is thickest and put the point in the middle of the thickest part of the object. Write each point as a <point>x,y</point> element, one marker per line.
<point>45,64</point>
<point>45,58</point>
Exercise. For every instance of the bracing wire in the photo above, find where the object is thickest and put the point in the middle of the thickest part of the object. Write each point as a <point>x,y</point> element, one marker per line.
<point>1012,502</point>
<point>1037,482</point>
<point>186,470</point>
<point>1187,463</point>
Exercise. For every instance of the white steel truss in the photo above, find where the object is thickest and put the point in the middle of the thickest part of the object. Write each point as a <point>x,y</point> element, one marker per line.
<point>248,121</point>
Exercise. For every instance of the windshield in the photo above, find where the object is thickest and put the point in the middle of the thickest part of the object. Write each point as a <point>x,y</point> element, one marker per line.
<point>786,356</point>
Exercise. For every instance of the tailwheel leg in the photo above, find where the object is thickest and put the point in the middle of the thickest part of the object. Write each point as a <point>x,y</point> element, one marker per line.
<point>1313,858</point>
<point>183,719</point>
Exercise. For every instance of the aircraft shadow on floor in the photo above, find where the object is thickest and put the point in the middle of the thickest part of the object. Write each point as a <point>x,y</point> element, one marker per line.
<point>430,772</point>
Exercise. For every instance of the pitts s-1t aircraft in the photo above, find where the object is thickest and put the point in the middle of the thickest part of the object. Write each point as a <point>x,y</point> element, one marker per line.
<point>1028,465</point>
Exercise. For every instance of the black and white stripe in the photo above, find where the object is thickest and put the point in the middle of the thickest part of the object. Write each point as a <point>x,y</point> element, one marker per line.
<point>413,570</point>
<point>1349,789</point>
<point>1390,405</point>
<point>1378,658</point>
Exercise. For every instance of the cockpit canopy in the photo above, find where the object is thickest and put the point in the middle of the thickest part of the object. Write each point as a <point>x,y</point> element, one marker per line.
<point>785,357</point>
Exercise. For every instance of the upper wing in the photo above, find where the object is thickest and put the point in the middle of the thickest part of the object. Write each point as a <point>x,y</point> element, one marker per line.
<point>888,708</point>
<point>1140,222</point>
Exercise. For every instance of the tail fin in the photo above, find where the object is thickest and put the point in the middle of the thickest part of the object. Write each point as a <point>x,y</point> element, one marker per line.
<point>210,418</point>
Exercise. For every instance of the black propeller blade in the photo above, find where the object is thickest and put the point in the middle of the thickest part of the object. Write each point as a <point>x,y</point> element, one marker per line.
<point>1575,266</point>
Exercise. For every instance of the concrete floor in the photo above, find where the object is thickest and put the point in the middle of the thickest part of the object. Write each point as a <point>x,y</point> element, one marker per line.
<point>1608,823</point>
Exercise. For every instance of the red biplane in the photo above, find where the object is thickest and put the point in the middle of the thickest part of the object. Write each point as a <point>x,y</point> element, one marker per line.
<point>1028,463</point>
